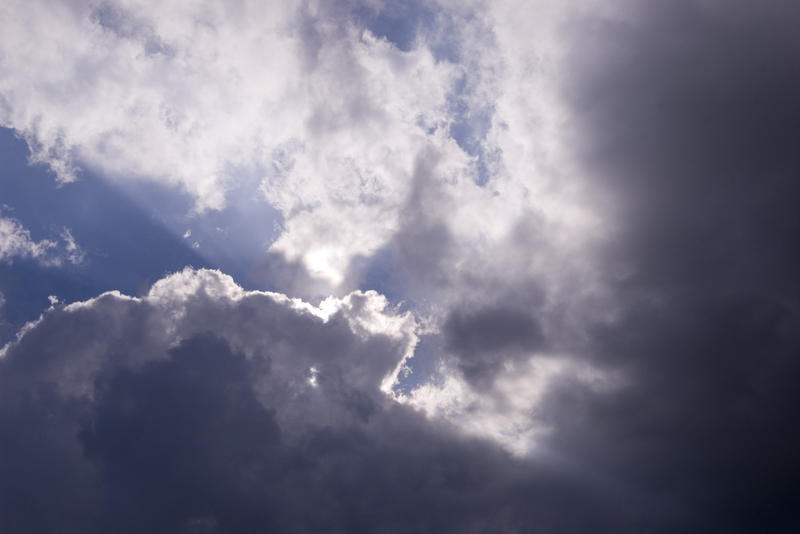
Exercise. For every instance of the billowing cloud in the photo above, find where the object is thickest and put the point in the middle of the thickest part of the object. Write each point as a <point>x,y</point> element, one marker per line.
<point>201,407</point>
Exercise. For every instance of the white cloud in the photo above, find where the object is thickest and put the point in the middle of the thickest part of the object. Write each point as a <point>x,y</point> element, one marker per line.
<point>331,120</point>
<point>16,242</point>
<point>297,335</point>
<point>196,97</point>
<point>73,253</point>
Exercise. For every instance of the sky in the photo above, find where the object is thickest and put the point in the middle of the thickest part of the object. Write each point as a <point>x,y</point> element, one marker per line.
<point>366,266</point>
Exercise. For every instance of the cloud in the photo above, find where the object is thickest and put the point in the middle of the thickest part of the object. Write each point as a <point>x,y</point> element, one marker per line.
<point>73,253</point>
<point>338,120</point>
<point>353,344</point>
<point>204,406</point>
<point>690,128</point>
<point>485,339</point>
<point>323,114</point>
<point>16,243</point>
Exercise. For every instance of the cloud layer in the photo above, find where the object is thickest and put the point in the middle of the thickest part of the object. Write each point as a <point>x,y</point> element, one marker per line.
<point>588,211</point>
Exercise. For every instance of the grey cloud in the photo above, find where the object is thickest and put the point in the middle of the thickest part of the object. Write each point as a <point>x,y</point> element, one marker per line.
<point>685,120</point>
<point>688,113</point>
<point>416,263</point>
<point>484,339</point>
<point>129,414</point>
<point>424,245</point>
<point>183,439</point>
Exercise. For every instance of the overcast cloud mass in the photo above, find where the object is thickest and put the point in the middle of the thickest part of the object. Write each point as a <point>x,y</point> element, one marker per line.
<point>367,266</point>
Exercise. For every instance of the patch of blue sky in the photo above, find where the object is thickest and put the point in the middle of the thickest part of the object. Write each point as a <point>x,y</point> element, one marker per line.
<point>382,273</point>
<point>125,247</point>
<point>423,367</point>
<point>397,22</point>
<point>114,19</point>
<point>234,238</point>
<point>132,234</point>
<point>470,124</point>
<point>405,24</point>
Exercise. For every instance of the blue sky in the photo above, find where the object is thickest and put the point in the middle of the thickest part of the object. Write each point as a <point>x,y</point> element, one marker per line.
<point>127,247</point>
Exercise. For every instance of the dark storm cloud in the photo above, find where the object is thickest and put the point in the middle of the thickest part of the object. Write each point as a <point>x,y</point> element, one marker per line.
<point>184,439</point>
<point>688,120</point>
<point>484,339</point>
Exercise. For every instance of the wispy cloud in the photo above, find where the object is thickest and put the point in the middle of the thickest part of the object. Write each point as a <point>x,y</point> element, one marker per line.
<point>16,243</point>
